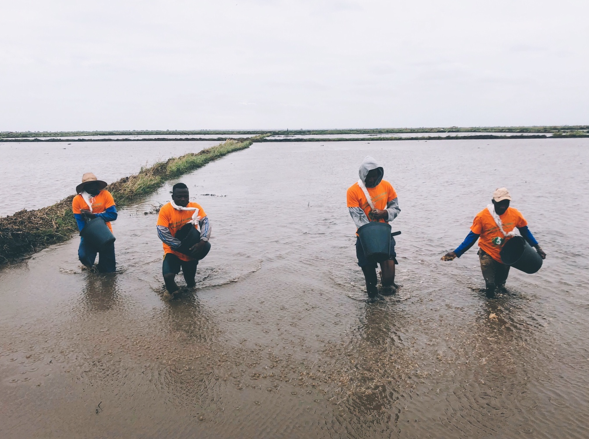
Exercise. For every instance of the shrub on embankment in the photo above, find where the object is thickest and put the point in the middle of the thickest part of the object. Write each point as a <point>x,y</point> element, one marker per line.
<point>29,231</point>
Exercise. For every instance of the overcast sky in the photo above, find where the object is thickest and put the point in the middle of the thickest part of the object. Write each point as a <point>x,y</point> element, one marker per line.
<point>172,64</point>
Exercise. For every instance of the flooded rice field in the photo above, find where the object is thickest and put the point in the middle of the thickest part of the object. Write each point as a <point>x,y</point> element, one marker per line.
<point>140,136</point>
<point>377,135</point>
<point>278,339</point>
<point>35,175</point>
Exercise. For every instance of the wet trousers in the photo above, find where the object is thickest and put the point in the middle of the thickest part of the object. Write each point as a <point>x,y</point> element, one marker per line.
<point>369,268</point>
<point>495,273</point>
<point>172,265</point>
<point>106,262</point>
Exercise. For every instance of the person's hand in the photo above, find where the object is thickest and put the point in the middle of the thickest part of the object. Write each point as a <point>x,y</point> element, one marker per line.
<point>450,256</point>
<point>87,214</point>
<point>540,252</point>
<point>195,249</point>
<point>378,214</point>
<point>196,246</point>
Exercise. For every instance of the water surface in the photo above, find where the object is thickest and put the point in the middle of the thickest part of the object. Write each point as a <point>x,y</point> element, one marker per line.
<point>278,341</point>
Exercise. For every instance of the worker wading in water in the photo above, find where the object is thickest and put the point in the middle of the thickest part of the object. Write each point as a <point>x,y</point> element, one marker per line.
<point>494,225</point>
<point>93,201</point>
<point>386,208</point>
<point>172,217</point>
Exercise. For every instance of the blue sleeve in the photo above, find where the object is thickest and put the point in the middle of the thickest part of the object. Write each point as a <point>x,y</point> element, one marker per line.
<point>468,242</point>
<point>109,214</point>
<point>525,232</point>
<point>80,220</point>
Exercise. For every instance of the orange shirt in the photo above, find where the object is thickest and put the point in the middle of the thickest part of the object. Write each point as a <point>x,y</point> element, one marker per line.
<point>100,203</point>
<point>174,220</point>
<point>381,195</point>
<point>491,239</point>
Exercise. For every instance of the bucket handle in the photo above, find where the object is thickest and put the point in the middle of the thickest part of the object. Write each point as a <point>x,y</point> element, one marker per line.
<point>396,233</point>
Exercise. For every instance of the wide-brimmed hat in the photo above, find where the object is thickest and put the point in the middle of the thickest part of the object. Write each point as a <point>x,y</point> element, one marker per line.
<point>89,177</point>
<point>501,194</point>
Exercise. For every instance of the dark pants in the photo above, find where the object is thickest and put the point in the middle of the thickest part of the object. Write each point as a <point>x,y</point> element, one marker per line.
<point>369,268</point>
<point>106,263</point>
<point>495,273</point>
<point>364,262</point>
<point>172,265</point>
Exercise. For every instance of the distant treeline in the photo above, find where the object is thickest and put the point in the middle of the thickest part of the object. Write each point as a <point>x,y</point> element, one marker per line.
<point>555,129</point>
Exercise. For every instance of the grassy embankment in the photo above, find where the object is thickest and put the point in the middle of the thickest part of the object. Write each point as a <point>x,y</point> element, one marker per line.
<point>29,231</point>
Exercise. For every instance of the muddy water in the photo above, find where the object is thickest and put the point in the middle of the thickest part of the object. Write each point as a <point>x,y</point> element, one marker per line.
<point>277,340</point>
<point>35,175</point>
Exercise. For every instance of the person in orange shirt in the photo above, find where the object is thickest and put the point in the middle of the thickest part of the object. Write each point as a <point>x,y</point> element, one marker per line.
<point>494,225</point>
<point>382,206</point>
<point>93,201</point>
<point>177,215</point>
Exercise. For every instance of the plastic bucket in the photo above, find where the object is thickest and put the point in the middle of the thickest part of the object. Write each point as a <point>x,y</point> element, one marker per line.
<point>189,236</point>
<point>97,234</point>
<point>376,241</point>
<point>517,253</point>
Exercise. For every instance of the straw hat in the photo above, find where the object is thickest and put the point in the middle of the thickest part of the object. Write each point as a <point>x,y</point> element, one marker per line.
<point>89,177</point>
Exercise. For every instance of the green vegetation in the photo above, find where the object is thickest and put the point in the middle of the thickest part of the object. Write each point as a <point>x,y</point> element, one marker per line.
<point>29,231</point>
<point>576,133</point>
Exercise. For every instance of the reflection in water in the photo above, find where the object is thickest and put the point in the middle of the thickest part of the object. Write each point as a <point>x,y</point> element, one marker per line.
<point>186,315</point>
<point>101,292</point>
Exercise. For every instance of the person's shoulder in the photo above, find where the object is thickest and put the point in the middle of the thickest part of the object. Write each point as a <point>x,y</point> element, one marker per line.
<point>483,213</point>
<point>166,208</point>
<point>387,184</point>
<point>354,188</point>
<point>193,204</point>
<point>106,194</point>
<point>76,200</point>
<point>513,211</point>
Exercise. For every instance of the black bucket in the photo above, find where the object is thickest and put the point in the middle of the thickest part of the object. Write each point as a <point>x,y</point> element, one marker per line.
<point>189,236</point>
<point>517,253</point>
<point>97,234</point>
<point>376,241</point>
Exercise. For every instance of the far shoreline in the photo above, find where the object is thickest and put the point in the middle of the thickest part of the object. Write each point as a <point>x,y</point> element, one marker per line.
<point>286,135</point>
<point>306,139</point>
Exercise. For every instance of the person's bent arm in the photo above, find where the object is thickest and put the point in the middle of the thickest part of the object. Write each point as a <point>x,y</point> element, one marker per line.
<point>109,214</point>
<point>358,216</point>
<point>527,235</point>
<point>205,229</point>
<point>80,220</point>
<point>393,209</point>
<point>166,236</point>
<point>468,242</point>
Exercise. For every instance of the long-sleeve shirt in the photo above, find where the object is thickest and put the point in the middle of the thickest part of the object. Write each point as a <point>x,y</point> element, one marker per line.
<point>166,237</point>
<point>108,215</point>
<point>359,216</point>
<point>472,237</point>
